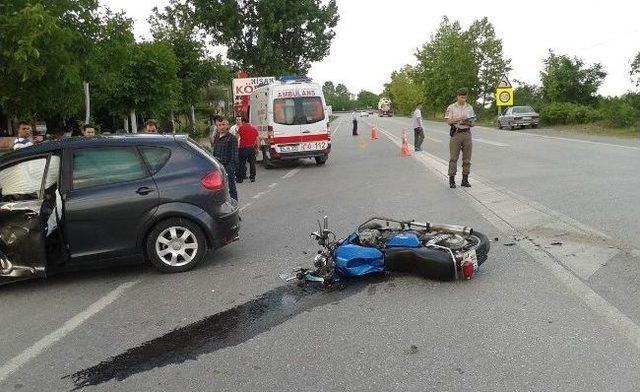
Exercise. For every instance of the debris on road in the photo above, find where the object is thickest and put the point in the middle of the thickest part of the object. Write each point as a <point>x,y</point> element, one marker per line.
<point>509,243</point>
<point>413,349</point>
<point>557,243</point>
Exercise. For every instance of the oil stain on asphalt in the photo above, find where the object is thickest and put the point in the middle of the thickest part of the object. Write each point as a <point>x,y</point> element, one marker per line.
<point>225,329</point>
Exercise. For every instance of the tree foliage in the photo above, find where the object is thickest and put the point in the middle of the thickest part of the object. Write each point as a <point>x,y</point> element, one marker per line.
<point>266,37</point>
<point>367,99</point>
<point>403,91</point>
<point>566,79</point>
<point>635,70</point>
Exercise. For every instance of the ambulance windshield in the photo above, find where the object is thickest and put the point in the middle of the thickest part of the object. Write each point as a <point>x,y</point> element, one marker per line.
<point>298,111</point>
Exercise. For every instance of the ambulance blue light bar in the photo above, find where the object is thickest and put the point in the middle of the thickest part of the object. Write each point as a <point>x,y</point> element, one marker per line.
<point>295,79</point>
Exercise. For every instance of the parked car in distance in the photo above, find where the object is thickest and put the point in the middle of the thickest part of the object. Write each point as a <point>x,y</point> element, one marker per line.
<point>94,202</point>
<point>519,117</point>
<point>364,113</point>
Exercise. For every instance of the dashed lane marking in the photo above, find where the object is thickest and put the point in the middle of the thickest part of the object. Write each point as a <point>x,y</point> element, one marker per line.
<point>38,347</point>
<point>291,173</point>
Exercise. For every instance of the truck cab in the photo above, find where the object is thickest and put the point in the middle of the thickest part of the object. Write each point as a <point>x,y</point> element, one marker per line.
<point>292,120</point>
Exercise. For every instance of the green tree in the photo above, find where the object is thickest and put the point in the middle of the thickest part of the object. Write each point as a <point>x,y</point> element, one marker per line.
<point>527,94</point>
<point>566,79</point>
<point>196,68</point>
<point>635,70</point>
<point>41,66</point>
<point>266,37</point>
<point>446,63</point>
<point>489,58</point>
<point>367,99</point>
<point>403,91</point>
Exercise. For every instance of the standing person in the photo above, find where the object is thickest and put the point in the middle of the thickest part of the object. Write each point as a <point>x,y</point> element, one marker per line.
<point>24,136</point>
<point>460,117</point>
<point>354,132</point>
<point>225,149</point>
<point>234,128</point>
<point>88,130</point>
<point>418,130</point>
<point>248,147</point>
<point>213,131</point>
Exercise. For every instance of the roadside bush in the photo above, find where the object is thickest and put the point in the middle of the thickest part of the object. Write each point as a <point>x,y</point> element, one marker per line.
<point>569,113</point>
<point>618,113</point>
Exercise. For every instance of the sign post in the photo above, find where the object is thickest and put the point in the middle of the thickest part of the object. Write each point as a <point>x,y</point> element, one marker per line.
<point>504,93</point>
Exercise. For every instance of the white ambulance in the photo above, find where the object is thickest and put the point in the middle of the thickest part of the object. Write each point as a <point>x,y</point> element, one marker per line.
<point>292,120</point>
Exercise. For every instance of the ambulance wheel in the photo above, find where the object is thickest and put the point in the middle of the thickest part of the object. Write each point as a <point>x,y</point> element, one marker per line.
<point>266,158</point>
<point>321,160</point>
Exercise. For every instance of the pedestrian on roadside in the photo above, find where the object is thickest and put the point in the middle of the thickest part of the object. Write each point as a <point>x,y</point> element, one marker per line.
<point>150,126</point>
<point>461,118</point>
<point>88,130</point>
<point>354,132</point>
<point>418,130</point>
<point>24,136</point>
<point>234,128</point>
<point>248,149</point>
<point>212,129</point>
<point>225,149</point>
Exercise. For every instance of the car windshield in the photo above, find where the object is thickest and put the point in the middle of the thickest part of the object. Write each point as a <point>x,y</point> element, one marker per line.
<point>298,111</point>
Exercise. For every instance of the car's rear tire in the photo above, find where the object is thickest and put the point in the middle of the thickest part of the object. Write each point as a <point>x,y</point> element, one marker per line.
<point>534,126</point>
<point>175,245</point>
<point>321,160</point>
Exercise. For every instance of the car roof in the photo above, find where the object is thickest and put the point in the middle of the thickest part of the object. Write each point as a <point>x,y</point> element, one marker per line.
<point>96,141</point>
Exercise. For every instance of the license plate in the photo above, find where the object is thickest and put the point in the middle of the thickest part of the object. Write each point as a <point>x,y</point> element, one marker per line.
<point>313,146</point>
<point>527,118</point>
<point>293,148</point>
<point>473,257</point>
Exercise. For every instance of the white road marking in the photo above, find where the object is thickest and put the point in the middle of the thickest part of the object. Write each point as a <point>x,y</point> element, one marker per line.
<point>572,140</point>
<point>291,173</point>
<point>258,195</point>
<point>583,251</point>
<point>273,185</point>
<point>337,129</point>
<point>37,348</point>
<point>244,207</point>
<point>490,142</point>
<point>433,139</point>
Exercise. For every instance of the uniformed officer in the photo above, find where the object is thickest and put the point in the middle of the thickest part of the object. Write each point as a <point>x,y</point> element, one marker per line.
<point>461,119</point>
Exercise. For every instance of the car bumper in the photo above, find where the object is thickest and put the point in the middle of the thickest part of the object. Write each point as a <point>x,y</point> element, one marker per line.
<point>226,226</point>
<point>300,154</point>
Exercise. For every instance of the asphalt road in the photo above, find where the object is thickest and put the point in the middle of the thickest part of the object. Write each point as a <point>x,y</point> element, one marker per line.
<point>534,319</point>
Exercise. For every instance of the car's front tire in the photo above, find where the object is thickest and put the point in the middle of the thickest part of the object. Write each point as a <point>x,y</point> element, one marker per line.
<point>175,245</point>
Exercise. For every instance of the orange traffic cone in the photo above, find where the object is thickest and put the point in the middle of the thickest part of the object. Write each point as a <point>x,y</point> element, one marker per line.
<point>374,133</point>
<point>404,150</point>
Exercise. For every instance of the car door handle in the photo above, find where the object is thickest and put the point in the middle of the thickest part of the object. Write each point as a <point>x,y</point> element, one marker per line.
<point>144,190</point>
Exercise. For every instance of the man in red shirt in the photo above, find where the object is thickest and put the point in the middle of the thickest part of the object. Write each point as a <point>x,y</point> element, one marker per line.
<point>248,148</point>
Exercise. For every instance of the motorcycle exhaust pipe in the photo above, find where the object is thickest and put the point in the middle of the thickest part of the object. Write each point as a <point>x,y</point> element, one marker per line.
<point>450,229</point>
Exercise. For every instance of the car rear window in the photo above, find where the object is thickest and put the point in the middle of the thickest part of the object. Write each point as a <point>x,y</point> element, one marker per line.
<point>107,165</point>
<point>298,111</point>
<point>156,157</point>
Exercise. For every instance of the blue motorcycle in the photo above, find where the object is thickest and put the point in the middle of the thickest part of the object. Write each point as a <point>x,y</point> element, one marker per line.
<point>435,251</point>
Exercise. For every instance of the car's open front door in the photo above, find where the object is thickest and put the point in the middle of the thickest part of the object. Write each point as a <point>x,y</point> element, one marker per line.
<point>30,216</point>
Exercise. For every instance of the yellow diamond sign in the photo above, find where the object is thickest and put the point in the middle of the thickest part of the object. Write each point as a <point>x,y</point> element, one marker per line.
<point>504,96</point>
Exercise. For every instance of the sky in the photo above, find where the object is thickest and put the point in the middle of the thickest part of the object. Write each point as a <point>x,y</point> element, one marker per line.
<point>374,38</point>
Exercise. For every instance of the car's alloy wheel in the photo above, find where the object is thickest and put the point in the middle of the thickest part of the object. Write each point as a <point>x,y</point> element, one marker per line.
<point>175,245</point>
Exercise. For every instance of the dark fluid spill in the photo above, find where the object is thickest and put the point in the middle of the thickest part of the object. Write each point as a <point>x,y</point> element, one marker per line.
<point>221,330</point>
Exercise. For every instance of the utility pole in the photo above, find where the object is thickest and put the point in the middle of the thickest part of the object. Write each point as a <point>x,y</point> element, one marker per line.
<point>134,121</point>
<point>87,103</point>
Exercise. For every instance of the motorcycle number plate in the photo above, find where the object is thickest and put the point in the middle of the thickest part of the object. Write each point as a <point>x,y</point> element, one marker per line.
<point>473,257</point>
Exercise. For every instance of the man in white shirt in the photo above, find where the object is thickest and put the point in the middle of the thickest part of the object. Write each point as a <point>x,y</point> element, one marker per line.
<point>23,140</point>
<point>418,130</point>
<point>234,129</point>
<point>461,118</point>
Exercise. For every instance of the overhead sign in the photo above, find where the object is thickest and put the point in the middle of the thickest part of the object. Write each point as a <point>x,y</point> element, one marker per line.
<point>504,96</point>
<point>245,86</point>
<point>504,82</point>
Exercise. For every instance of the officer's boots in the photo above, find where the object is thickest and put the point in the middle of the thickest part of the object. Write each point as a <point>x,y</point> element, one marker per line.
<point>465,181</point>
<point>452,181</point>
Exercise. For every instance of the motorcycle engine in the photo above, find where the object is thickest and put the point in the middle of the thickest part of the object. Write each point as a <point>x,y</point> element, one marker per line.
<point>453,242</point>
<point>370,238</point>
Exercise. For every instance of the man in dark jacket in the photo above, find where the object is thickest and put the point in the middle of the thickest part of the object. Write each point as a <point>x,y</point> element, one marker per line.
<point>225,149</point>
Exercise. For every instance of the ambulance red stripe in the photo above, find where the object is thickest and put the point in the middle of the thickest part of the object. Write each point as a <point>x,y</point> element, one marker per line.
<point>299,138</point>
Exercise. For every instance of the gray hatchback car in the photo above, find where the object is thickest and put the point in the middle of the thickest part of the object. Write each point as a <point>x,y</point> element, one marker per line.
<point>519,117</point>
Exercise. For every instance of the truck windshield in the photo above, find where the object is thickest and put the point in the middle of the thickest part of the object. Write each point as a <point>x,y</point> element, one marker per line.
<point>298,111</point>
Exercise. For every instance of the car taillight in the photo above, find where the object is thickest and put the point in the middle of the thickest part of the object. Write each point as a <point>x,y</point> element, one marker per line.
<point>213,181</point>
